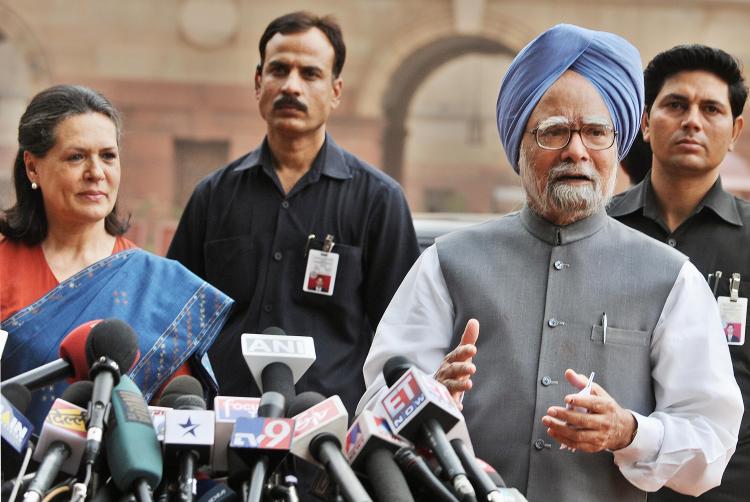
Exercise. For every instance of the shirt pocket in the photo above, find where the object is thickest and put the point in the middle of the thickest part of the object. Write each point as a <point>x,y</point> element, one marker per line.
<point>621,336</point>
<point>623,366</point>
<point>231,266</point>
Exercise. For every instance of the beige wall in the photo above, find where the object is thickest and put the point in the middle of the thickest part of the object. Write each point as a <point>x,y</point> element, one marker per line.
<point>181,72</point>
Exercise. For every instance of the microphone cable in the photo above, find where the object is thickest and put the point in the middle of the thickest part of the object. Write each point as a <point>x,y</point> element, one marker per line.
<point>21,473</point>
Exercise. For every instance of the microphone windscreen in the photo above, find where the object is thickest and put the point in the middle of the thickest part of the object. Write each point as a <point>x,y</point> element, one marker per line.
<point>180,386</point>
<point>114,339</point>
<point>189,402</point>
<point>278,377</point>
<point>304,401</point>
<point>79,393</point>
<point>18,395</point>
<point>73,349</point>
<point>274,330</point>
<point>394,368</point>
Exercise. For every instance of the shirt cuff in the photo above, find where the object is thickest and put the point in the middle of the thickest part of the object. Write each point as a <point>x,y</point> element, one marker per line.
<point>646,444</point>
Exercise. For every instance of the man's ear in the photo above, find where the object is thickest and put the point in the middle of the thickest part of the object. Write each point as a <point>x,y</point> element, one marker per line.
<point>739,123</point>
<point>338,88</point>
<point>645,126</point>
<point>258,71</point>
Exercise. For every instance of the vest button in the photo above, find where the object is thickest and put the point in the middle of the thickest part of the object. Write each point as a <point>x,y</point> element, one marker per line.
<point>278,256</point>
<point>559,265</point>
<point>553,322</point>
<point>267,308</point>
<point>539,444</point>
<point>285,204</point>
<point>546,381</point>
<point>672,242</point>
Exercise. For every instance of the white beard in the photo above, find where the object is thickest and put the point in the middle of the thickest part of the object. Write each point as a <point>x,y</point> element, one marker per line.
<point>564,202</point>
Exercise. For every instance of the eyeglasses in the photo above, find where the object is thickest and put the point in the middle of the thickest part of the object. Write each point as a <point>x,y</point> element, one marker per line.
<point>557,136</point>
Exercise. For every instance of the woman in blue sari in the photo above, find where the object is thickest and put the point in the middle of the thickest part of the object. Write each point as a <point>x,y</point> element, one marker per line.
<point>64,260</point>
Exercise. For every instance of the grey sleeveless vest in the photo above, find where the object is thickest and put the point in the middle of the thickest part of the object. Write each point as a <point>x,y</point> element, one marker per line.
<point>539,292</point>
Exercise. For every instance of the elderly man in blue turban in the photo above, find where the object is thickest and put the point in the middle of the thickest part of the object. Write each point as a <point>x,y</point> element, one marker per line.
<point>565,292</point>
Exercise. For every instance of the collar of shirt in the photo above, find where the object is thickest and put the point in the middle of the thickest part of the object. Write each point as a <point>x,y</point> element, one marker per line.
<point>329,161</point>
<point>559,235</point>
<point>642,196</point>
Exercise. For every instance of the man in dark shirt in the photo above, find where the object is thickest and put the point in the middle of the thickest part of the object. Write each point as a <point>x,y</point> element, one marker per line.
<point>256,228</point>
<point>694,97</point>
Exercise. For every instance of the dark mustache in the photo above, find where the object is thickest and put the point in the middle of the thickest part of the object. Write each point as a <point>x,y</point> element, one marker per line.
<point>289,101</point>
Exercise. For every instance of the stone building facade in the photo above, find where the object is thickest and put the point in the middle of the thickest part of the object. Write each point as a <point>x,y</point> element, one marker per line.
<point>420,84</point>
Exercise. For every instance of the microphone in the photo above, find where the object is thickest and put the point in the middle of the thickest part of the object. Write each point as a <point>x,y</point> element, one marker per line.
<point>79,393</point>
<point>188,431</point>
<point>72,362</point>
<point>60,448</point>
<point>420,408</point>
<point>276,360</point>
<point>211,491</point>
<point>479,478</point>
<point>495,477</point>
<point>133,451</point>
<point>258,445</point>
<point>15,428</point>
<point>227,410</point>
<point>505,494</point>
<point>158,418</point>
<point>421,476</point>
<point>183,385</point>
<point>318,434</point>
<point>111,349</point>
<point>369,447</point>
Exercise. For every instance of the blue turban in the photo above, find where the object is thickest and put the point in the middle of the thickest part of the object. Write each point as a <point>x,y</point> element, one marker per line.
<point>608,61</point>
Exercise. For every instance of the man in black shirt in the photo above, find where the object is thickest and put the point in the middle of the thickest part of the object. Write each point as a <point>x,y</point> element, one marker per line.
<point>694,98</point>
<point>256,228</point>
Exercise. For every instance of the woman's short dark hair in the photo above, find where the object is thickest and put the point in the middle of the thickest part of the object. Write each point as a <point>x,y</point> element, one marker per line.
<point>298,22</point>
<point>691,58</point>
<point>26,221</point>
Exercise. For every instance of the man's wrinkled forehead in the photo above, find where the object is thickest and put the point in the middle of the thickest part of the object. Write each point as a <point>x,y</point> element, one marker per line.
<point>574,99</point>
<point>561,120</point>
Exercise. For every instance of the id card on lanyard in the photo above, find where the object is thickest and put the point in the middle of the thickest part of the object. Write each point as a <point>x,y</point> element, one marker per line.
<point>733,311</point>
<point>322,266</point>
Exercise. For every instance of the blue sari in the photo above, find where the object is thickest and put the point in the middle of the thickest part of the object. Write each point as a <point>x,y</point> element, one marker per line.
<point>175,314</point>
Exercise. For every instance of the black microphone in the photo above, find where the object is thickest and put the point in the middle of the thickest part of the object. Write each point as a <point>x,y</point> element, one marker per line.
<point>277,360</point>
<point>111,349</point>
<point>277,376</point>
<point>188,431</point>
<point>418,408</point>
<point>258,445</point>
<point>479,478</point>
<point>369,447</point>
<point>61,442</point>
<point>421,476</point>
<point>79,393</point>
<point>322,438</point>
<point>183,385</point>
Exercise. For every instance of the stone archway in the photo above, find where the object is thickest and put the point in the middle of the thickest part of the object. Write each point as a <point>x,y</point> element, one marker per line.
<point>406,80</point>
